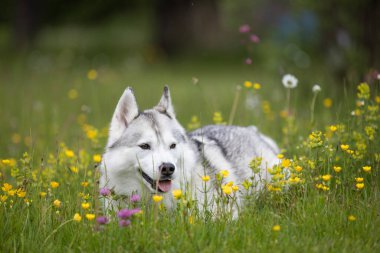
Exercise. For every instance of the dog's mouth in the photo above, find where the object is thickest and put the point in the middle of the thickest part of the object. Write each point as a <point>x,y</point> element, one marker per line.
<point>162,185</point>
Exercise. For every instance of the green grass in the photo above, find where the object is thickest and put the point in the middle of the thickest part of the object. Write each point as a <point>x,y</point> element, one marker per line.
<point>37,116</point>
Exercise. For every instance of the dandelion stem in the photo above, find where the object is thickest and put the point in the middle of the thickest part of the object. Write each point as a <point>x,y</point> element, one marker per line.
<point>312,107</point>
<point>234,105</point>
<point>288,101</point>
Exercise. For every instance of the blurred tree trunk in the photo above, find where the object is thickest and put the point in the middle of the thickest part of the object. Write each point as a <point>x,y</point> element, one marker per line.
<point>25,22</point>
<point>184,23</point>
<point>371,36</point>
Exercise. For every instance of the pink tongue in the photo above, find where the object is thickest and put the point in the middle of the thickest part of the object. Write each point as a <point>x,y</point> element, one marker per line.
<point>165,185</point>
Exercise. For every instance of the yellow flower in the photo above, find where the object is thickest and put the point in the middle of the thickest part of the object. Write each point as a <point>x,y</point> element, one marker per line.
<point>326,177</point>
<point>351,218</point>
<point>157,198</point>
<point>360,186</point>
<point>298,168</point>
<point>229,184</point>
<point>227,189</point>
<point>85,205</point>
<point>337,169</point>
<point>377,99</point>
<point>327,102</point>
<point>74,169</point>
<point>333,128</point>
<point>43,194</point>
<point>54,184</point>
<point>11,192</point>
<point>92,74</point>
<point>294,180</point>
<point>276,228</point>
<point>205,178</point>
<point>367,168</point>
<point>247,84</point>
<point>235,188</point>
<point>77,217</point>
<point>69,153</point>
<point>97,158</point>
<point>359,179</point>
<point>286,163</point>
<point>344,147</point>
<point>6,161</point>
<point>280,156</point>
<point>256,86</point>
<point>21,193</point>
<point>224,173</point>
<point>72,94</point>
<point>84,184</point>
<point>57,203</point>
<point>177,194</point>
<point>3,198</point>
<point>6,187</point>
<point>90,216</point>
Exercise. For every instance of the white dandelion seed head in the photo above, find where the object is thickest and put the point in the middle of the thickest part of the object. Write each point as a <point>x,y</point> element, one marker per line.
<point>378,76</point>
<point>316,88</point>
<point>289,81</point>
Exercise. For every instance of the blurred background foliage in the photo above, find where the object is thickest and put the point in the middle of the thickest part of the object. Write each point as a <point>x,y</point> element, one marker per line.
<point>96,48</point>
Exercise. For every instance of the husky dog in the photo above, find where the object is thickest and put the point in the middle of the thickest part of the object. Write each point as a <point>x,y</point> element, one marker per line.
<point>149,152</point>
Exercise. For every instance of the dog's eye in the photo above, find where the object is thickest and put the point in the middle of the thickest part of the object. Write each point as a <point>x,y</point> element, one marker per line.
<point>173,146</point>
<point>144,146</point>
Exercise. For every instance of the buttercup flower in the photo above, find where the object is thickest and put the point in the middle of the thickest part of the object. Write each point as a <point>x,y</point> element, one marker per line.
<point>289,81</point>
<point>256,86</point>
<point>327,102</point>
<point>97,158</point>
<point>69,153</point>
<point>224,173</point>
<point>157,198</point>
<point>90,216</point>
<point>54,184</point>
<point>359,186</point>
<point>351,218</point>
<point>276,228</point>
<point>344,147</point>
<point>359,179</point>
<point>326,177</point>
<point>177,194</point>
<point>247,84</point>
<point>85,205</point>
<point>367,169</point>
<point>298,168</point>
<point>205,178</point>
<point>57,203</point>
<point>77,217</point>
<point>337,169</point>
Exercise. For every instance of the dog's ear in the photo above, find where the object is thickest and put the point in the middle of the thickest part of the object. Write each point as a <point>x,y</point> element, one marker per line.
<point>165,104</point>
<point>126,110</point>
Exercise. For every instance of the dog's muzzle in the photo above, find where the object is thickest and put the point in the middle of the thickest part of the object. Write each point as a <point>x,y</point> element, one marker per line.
<point>164,184</point>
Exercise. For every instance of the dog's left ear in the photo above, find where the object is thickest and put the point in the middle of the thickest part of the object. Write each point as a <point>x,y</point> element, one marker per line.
<point>165,104</point>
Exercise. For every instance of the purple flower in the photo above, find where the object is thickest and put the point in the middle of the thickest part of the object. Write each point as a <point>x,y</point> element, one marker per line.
<point>244,28</point>
<point>124,223</point>
<point>135,198</point>
<point>254,38</point>
<point>102,220</point>
<point>126,213</point>
<point>248,61</point>
<point>105,192</point>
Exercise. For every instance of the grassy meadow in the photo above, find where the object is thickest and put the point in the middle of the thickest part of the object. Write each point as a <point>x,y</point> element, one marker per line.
<point>55,106</point>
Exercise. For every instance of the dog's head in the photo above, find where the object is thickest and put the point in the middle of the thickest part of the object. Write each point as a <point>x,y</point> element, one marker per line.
<point>144,148</point>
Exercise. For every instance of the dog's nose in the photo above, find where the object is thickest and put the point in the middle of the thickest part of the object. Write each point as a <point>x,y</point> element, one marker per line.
<point>167,169</point>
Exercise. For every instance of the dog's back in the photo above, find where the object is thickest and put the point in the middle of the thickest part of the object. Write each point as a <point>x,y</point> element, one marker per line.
<point>237,146</point>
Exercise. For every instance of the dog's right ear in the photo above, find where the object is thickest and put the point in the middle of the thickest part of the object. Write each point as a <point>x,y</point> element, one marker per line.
<point>126,110</point>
